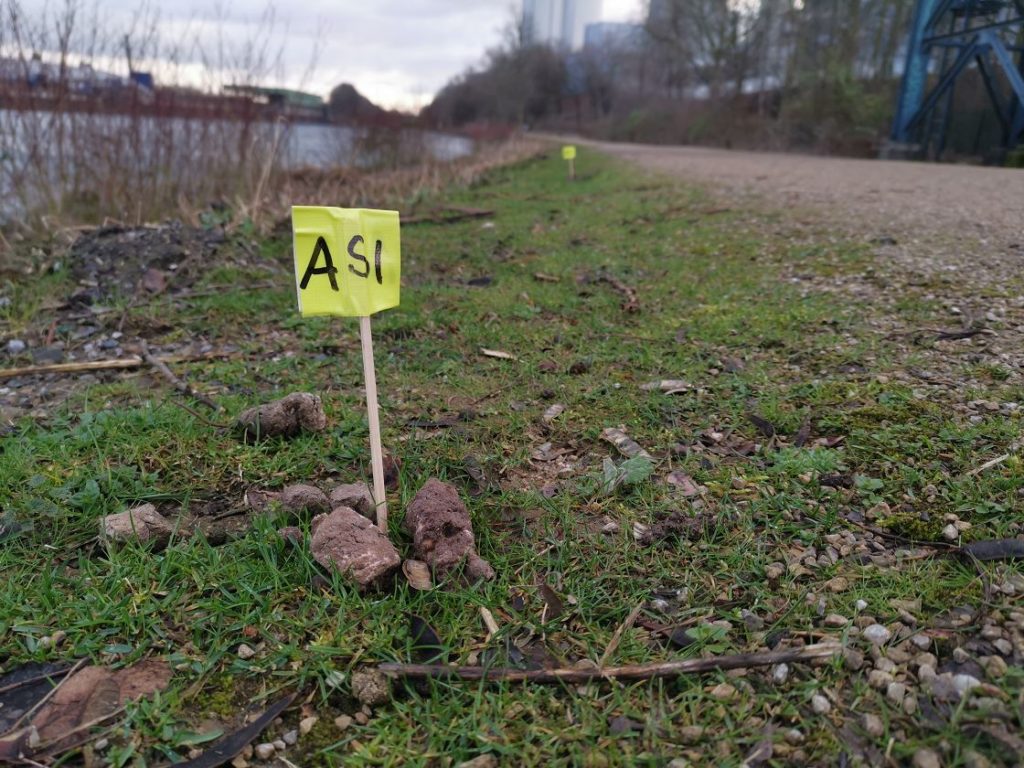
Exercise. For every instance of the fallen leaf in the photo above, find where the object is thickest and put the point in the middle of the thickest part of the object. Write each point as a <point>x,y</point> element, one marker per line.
<point>228,748</point>
<point>803,434</point>
<point>764,426</point>
<point>624,443</point>
<point>553,605</point>
<point>668,386</point>
<point>552,413</point>
<point>154,281</point>
<point>427,647</point>
<point>686,485</point>
<point>417,573</point>
<point>499,354</point>
<point>24,687</point>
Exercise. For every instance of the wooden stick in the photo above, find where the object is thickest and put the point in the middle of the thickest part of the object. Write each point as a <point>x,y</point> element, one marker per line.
<point>631,672</point>
<point>617,637</point>
<point>121,363</point>
<point>177,383</point>
<point>376,454</point>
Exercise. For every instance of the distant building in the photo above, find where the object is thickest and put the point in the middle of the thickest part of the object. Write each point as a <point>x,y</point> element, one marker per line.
<point>613,35</point>
<point>559,23</point>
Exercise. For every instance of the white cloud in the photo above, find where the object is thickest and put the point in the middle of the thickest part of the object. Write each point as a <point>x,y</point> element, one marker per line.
<point>397,52</point>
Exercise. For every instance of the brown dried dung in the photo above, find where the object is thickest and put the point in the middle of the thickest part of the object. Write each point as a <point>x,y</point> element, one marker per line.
<point>358,497</point>
<point>142,523</point>
<point>294,500</point>
<point>677,526</point>
<point>442,532</point>
<point>290,416</point>
<point>348,542</point>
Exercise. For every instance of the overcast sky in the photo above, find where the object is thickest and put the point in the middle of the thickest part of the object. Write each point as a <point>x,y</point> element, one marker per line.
<point>396,52</point>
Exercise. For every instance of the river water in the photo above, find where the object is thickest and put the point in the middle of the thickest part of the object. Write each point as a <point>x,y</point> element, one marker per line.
<point>44,156</point>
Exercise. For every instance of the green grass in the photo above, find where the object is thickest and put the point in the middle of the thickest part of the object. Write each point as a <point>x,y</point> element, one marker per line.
<point>712,288</point>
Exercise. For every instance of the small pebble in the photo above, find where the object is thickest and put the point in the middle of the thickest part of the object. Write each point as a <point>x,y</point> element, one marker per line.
<point>877,634</point>
<point>16,346</point>
<point>895,693</point>
<point>342,722</point>
<point>691,734</point>
<point>723,691</point>
<point>950,533</point>
<point>101,744</point>
<point>860,605</point>
<point>834,620</point>
<point>926,758</point>
<point>264,751</point>
<point>245,652</point>
<point>873,725</point>
<point>307,723</point>
<point>291,738</point>
<point>361,718</point>
<point>280,745</point>
<point>794,737</point>
<point>780,673</point>
<point>820,704</point>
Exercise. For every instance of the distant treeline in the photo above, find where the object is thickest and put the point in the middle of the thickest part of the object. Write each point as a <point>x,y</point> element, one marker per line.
<point>816,75</point>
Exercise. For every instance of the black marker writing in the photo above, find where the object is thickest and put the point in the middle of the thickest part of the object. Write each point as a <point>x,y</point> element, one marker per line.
<point>376,262</point>
<point>357,257</point>
<point>328,268</point>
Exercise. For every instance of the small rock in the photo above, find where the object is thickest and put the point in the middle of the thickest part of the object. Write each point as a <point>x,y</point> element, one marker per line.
<point>279,745</point>
<point>835,621</point>
<point>16,347</point>
<point>691,734</point>
<point>245,652</point>
<point>482,761</point>
<point>964,683</point>
<point>774,571</point>
<point>723,691</point>
<point>239,761</point>
<point>895,693</point>
<point>101,744</point>
<point>142,523</point>
<point>910,704</point>
<point>838,584</point>
<point>291,738</point>
<point>950,533</point>
<point>994,666</point>
<point>370,687</point>
<point>873,725</point>
<point>358,497</point>
<point>780,673</point>
<point>974,759</point>
<point>361,718</point>
<point>751,620</point>
<point>877,634</point>
<point>860,605</point>
<point>926,758</point>
<point>342,722</point>
<point>879,679</point>
<point>853,659</point>
<point>307,723</point>
<point>348,542</point>
<point>264,751</point>
<point>820,704</point>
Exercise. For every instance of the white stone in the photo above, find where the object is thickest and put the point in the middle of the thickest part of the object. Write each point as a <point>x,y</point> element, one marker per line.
<point>877,634</point>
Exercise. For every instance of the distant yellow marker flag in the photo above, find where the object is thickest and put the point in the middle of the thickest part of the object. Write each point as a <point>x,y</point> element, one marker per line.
<point>569,154</point>
<point>348,262</point>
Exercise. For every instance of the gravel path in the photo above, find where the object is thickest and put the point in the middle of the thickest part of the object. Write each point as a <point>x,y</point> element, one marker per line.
<point>949,221</point>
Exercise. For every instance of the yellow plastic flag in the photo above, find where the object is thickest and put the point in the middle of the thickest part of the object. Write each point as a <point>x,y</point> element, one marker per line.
<point>348,261</point>
<point>569,152</point>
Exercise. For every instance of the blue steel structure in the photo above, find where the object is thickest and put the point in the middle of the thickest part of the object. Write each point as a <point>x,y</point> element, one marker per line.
<point>946,39</point>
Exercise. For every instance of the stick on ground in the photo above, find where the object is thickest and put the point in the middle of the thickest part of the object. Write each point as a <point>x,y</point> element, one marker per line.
<point>178,384</point>
<point>631,672</point>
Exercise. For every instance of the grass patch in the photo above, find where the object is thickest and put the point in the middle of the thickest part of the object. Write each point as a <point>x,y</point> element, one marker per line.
<point>716,310</point>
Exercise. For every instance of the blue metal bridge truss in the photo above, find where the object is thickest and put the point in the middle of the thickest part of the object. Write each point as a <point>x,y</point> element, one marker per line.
<point>947,38</point>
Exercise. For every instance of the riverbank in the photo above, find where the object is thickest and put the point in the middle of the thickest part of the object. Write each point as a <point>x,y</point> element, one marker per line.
<point>804,479</point>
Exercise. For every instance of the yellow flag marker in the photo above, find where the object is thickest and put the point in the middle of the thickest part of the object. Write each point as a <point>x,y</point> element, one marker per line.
<point>348,262</point>
<point>569,154</point>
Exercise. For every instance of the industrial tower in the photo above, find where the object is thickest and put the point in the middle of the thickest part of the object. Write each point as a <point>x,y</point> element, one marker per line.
<point>948,40</point>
